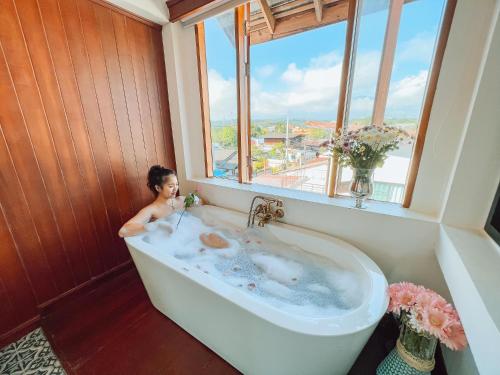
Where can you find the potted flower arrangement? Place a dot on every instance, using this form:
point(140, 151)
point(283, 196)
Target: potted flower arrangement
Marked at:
point(364, 150)
point(425, 319)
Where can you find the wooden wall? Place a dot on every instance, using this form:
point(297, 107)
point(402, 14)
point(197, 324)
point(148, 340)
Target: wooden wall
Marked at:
point(83, 114)
point(181, 8)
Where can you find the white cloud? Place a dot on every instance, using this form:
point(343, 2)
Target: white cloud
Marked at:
point(309, 90)
point(222, 96)
point(312, 91)
point(361, 107)
point(405, 96)
point(292, 74)
point(326, 60)
point(265, 71)
point(417, 49)
point(366, 73)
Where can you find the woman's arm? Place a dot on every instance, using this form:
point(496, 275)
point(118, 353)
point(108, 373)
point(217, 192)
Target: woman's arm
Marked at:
point(138, 224)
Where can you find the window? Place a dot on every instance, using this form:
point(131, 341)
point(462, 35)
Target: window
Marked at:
point(278, 77)
point(414, 27)
point(294, 99)
point(222, 94)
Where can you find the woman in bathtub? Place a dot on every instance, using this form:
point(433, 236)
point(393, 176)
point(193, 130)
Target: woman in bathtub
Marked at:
point(164, 185)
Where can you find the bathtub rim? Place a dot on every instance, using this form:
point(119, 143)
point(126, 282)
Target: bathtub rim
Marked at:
point(374, 305)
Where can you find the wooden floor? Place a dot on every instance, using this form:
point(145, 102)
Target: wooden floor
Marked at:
point(114, 329)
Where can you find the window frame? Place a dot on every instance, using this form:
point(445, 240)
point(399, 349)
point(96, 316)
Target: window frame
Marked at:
point(242, 38)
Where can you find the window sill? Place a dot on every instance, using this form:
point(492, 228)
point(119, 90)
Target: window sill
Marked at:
point(373, 207)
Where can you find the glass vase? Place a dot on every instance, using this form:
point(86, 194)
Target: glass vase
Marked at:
point(361, 186)
point(413, 354)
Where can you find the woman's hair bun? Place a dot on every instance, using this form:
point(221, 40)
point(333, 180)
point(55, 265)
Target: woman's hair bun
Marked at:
point(156, 177)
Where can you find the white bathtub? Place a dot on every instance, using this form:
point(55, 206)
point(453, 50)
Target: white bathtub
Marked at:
point(250, 334)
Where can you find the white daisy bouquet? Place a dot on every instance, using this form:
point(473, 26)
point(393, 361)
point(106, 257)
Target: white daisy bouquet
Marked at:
point(367, 147)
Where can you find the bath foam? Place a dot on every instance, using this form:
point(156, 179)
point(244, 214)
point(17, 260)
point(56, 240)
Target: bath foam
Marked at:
point(258, 264)
point(319, 288)
point(347, 286)
point(239, 282)
point(276, 288)
point(277, 268)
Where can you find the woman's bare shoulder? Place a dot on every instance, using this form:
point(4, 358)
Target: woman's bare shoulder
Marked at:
point(150, 209)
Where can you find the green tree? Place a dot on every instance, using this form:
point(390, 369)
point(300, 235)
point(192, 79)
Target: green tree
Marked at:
point(277, 151)
point(280, 128)
point(226, 136)
point(258, 131)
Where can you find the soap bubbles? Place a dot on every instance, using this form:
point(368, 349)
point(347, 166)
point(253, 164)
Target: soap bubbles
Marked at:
point(260, 265)
point(278, 268)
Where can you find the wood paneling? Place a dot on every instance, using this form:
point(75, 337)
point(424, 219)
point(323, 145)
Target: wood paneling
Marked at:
point(299, 22)
point(201, 53)
point(387, 61)
point(83, 114)
point(345, 85)
point(182, 8)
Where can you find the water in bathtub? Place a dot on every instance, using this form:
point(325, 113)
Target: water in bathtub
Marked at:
point(258, 263)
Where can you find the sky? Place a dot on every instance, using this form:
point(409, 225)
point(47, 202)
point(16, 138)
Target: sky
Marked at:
point(299, 76)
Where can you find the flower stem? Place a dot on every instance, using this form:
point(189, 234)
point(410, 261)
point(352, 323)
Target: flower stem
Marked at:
point(182, 214)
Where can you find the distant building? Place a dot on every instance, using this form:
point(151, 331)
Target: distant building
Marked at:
point(226, 162)
point(276, 138)
point(256, 141)
point(321, 124)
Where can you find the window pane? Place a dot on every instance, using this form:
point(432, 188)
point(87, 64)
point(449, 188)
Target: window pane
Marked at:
point(417, 37)
point(371, 24)
point(372, 21)
point(221, 69)
point(418, 31)
point(294, 98)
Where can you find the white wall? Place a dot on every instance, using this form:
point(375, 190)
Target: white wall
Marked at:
point(453, 101)
point(477, 171)
point(470, 260)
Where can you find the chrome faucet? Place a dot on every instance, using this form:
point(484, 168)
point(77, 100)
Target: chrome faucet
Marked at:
point(271, 209)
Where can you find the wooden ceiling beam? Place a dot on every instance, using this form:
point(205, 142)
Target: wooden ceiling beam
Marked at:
point(318, 8)
point(268, 15)
point(387, 61)
point(287, 9)
point(297, 23)
point(178, 9)
point(294, 7)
